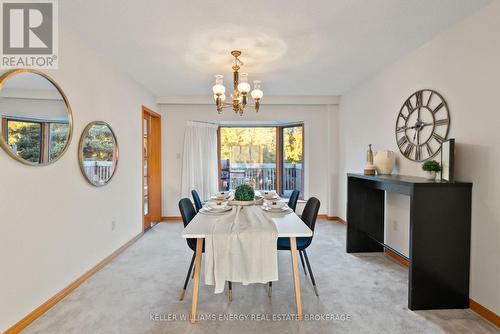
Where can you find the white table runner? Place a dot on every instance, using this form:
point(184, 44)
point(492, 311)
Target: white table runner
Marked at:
point(241, 248)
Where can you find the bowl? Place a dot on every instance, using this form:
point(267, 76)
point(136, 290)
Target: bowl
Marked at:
point(217, 204)
point(221, 194)
point(268, 194)
point(275, 204)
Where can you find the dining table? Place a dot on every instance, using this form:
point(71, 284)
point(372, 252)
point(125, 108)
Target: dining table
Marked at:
point(288, 225)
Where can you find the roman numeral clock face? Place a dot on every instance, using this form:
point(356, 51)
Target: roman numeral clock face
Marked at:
point(422, 125)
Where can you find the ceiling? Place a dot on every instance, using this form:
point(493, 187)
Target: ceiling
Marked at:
point(295, 47)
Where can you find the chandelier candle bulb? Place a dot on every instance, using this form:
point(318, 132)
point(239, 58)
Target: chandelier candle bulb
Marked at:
point(241, 88)
point(244, 86)
point(219, 88)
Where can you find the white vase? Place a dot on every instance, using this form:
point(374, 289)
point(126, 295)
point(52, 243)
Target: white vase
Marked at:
point(430, 175)
point(384, 162)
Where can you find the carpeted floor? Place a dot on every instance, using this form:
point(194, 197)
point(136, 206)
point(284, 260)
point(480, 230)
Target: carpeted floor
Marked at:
point(138, 293)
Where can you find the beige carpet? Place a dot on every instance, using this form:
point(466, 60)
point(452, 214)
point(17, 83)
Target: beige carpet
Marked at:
point(358, 294)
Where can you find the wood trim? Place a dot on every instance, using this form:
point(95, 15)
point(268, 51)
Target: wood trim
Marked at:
point(151, 112)
point(484, 312)
point(279, 162)
point(397, 257)
point(154, 168)
point(171, 218)
point(219, 162)
point(39, 311)
point(333, 218)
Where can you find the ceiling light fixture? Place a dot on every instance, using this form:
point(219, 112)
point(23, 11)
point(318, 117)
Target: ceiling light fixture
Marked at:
point(241, 88)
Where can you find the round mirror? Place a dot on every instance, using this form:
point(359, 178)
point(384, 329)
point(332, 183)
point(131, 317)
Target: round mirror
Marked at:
point(36, 117)
point(98, 153)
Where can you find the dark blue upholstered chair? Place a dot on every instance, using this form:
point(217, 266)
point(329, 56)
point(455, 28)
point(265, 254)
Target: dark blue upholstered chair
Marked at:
point(292, 201)
point(197, 201)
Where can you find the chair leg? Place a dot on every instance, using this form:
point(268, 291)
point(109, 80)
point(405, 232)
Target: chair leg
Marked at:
point(230, 291)
point(183, 292)
point(270, 289)
point(302, 260)
point(311, 273)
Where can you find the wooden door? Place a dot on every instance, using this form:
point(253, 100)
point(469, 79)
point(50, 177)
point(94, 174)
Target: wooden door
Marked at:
point(151, 167)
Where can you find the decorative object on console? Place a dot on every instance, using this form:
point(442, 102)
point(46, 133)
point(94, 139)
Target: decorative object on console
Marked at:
point(36, 122)
point(448, 160)
point(422, 125)
point(369, 167)
point(241, 88)
point(384, 162)
point(431, 167)
point(98, 153)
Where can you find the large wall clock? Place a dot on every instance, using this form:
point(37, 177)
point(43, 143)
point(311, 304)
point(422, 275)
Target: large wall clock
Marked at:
point(422, 125)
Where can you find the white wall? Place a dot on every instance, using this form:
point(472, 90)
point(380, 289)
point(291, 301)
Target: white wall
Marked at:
point(463, 64)
point(54, 226)
point(318, 123)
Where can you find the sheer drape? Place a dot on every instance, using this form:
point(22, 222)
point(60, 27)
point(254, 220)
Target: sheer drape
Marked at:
point(199, 161)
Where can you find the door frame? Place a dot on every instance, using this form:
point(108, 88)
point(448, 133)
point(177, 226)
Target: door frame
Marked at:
point(148, 112)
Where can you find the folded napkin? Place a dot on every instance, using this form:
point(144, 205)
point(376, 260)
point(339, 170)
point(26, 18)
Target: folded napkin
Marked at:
point(241, 248)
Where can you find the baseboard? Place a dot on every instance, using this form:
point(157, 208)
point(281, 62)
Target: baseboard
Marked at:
point(332, 218)
point(39, 311)
point(485, 313)
point(170, 218)
point(397, 257)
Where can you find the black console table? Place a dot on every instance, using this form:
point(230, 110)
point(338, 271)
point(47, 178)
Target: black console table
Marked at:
point(440, 224)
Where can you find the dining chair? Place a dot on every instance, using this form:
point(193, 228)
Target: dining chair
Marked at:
point(187, 213)
point(292, 201)
point(309, 216)
point(197, 201)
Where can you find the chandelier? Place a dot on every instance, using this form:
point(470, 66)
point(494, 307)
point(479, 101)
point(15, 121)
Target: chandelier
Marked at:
point(241, 88)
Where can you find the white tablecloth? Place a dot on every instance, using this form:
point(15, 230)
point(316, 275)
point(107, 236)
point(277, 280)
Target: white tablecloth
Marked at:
point(241, 248)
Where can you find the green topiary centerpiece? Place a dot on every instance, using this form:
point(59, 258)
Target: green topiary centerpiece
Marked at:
point(244, 193)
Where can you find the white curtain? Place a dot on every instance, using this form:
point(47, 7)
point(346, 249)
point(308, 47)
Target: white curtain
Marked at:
point(199, 161)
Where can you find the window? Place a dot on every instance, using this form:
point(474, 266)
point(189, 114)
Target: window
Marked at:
point(25, 139)
point(292, 158)
point(269, 157)
point(58, 137)
point(36, 141)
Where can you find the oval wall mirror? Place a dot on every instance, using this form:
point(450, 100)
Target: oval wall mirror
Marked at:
point(98, 153)
point(36, 120)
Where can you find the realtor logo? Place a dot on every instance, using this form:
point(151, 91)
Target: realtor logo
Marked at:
point(29, 34)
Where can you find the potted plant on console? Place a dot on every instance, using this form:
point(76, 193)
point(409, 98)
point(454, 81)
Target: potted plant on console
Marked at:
point(431, 167)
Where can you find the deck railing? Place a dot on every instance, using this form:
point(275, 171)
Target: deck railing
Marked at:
point(98, 171)
point(264, 176)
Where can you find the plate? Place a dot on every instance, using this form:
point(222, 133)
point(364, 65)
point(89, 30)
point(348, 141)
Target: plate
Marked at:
point(271, 197)
point(241, 203)
point(211, 210)
point(282, 209)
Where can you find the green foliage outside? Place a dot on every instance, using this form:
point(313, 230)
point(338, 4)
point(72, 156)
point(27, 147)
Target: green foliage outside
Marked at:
point(292, 144)
point(258, 144)
point(58, 138)
point(99, 144)
point(244, 193)
point(24, 138)
point(248, 145)
point(431, 166)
